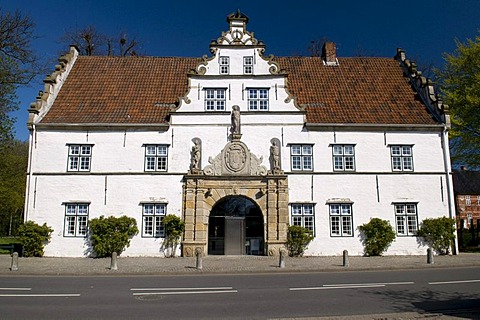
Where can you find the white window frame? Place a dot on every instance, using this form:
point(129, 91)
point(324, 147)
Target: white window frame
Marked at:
point(156, 157)
point(301, 157)
point(152, 220)
point(76, 220)
point(303, 214)
point(215, 99)
point(224, 65)
point(343, 156)
point(341, 219)
point(468, 200)
point(79, 157)
point(248, 65)
point(406, 219)
point(402, 157)
point(257, 99)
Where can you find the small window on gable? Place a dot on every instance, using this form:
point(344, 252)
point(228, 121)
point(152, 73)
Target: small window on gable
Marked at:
point(224, 65)
point(247, 65)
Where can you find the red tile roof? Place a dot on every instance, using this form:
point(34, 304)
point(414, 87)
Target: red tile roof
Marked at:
point(129, 90)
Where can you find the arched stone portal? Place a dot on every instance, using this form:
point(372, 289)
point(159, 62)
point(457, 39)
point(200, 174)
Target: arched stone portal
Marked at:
point(236, 227)
point(201, 193)
point(234, 172)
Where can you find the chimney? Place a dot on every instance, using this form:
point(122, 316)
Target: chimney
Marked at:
point(329, 54)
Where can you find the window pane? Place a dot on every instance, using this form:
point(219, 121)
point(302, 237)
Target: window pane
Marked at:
point(75, 150)
point(308, 209)
point(70, 225)
point(82, 226)
point(296, 150)
point(347, 226)
point(396, 151)
point(337, 150)
point(349, 150)
point(307, 150)
point(296, 209)
point(400, 225)
point(335, 225)
point(151, 150)
point(307, 163)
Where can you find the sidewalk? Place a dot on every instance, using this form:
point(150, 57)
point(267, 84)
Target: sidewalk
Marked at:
point(226, 264)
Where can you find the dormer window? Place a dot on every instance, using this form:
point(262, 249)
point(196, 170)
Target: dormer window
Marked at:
point(247, 65)
point(224, 65)
point(257, 99)
point(215, 99)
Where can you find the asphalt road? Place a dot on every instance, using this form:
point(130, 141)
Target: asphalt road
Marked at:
point(248, 296)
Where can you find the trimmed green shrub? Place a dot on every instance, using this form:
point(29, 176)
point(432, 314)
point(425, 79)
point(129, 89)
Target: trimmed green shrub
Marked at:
point(33, 237)
point(112, 234)
point(378, 235)
point(298, 239)
point(174, 227)
point(438, 233)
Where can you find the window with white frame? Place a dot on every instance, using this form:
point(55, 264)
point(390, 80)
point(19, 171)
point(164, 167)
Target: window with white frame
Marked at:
point(303, 214)
point(156, 156)
point(468, 201)
point(152, 220)
point(341, 220)
point(224, 65)
point(301, 157)
point(76, 220)
point(402, 158)
point(215, 99)
point(247, 65)
point(343, 157)
point(406, 219)
point(79, 157)
point(257, 99)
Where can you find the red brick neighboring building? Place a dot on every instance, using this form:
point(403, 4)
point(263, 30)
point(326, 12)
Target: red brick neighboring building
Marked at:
point(466, 185)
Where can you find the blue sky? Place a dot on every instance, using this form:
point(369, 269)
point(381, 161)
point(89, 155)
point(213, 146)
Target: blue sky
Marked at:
point(425, 29)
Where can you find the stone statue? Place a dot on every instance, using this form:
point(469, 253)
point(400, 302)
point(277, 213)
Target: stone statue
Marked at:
point(196, 154)
point(235, 120)
point(275, 154)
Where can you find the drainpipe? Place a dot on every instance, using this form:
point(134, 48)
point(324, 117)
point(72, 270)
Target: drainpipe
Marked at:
point(31, 143)
point(448, 177)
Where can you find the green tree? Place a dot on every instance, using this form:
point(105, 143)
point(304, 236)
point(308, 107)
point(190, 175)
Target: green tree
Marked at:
point(460, 87)
point(13, 167)
point(438, 233)
point(18, 65)
point(378, 235)
point(174, 227)
point(33, 237)
point(112, 234)
point(298, 239)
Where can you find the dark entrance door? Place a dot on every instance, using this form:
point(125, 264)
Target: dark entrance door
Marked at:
point(235, 227)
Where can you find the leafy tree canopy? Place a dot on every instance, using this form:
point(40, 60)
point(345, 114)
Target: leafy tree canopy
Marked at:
point(460, 86)
point(18, 65)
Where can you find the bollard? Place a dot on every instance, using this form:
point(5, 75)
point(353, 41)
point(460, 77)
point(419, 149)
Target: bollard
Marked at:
point(429, 256)
point(281, 263)
point(346, 263)
point(14, 266)
point(113, 262)
point(199, 263)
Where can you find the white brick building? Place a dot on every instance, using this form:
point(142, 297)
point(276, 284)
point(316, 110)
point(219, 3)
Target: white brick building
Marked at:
point(324, 142)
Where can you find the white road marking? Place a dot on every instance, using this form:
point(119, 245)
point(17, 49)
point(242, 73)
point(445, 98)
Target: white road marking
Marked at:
point(42, 295)
point(16, 289)
point(351, 286)
point(454, 282)
point(179, 289)
point(183, 292)
point(338, 287)
point(367, 284)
